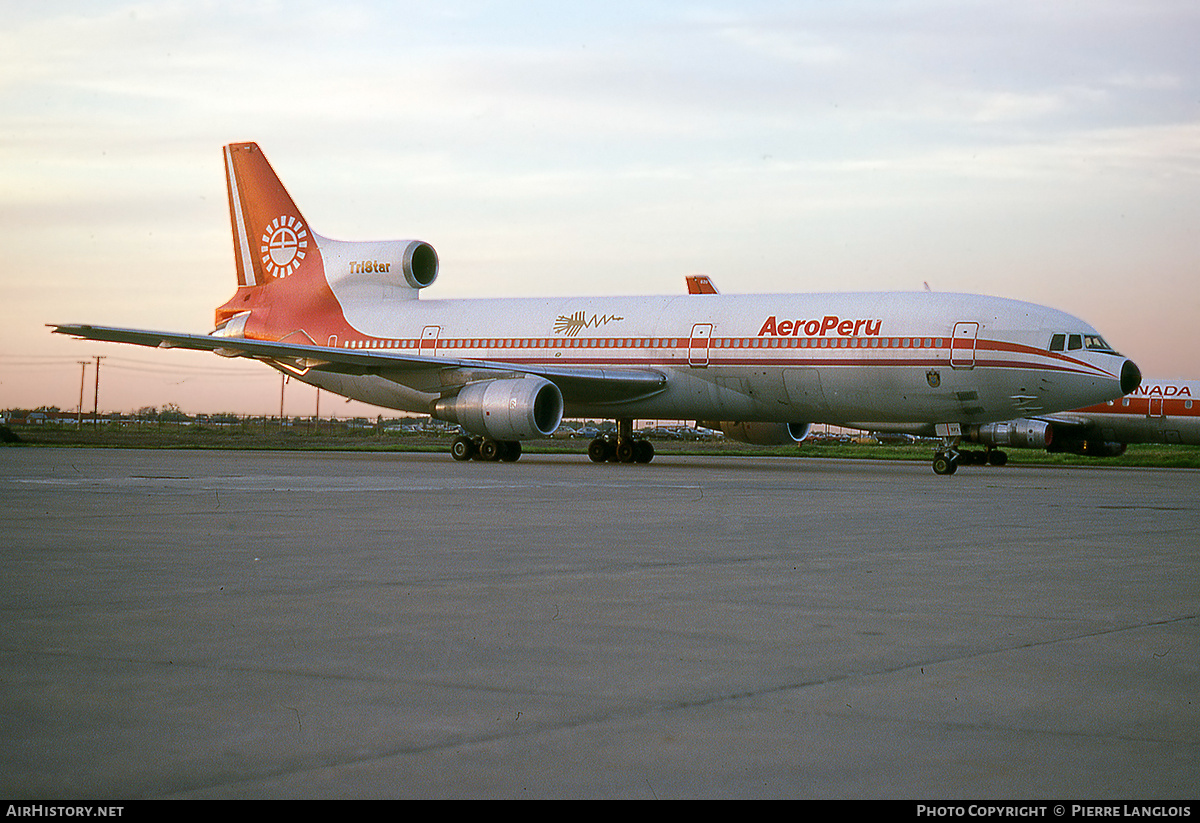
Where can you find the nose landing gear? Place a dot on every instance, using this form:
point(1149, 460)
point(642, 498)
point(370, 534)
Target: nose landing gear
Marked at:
point(945, 461)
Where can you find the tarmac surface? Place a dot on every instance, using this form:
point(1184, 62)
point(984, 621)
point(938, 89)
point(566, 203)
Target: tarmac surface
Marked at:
point(192, 624)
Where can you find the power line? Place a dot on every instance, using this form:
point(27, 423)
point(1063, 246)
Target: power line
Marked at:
point(230, 370)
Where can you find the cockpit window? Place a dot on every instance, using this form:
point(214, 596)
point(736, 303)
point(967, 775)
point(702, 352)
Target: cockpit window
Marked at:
point(1074, 342)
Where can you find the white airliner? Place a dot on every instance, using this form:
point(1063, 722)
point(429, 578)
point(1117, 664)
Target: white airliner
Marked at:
point(1158, 411)
point(345, 316)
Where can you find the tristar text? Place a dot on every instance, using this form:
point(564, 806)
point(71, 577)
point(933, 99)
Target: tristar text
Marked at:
point(817, 328)
point(368, 266)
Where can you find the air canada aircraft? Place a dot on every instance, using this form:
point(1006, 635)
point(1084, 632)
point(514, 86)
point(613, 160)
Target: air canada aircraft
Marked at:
point(346, 317)
point(1158, 411)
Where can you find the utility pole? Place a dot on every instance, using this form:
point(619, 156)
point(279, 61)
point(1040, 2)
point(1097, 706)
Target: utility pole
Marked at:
point(82, 376)
point(282, 383)
point(96, 400)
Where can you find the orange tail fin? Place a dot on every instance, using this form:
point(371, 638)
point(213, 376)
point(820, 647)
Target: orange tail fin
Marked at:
point(270, 237)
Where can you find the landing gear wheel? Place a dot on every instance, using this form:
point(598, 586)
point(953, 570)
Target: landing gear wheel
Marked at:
point(463, 448)
point(997, 458)
point(643, 451)
point(489, 449)
point(944, 463)
point(598, 450)
point(626, 449)
point(510, 451)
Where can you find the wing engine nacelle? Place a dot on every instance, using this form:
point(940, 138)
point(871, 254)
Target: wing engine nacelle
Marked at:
point(1017, 434)
point(505, 409)
point(760, 434)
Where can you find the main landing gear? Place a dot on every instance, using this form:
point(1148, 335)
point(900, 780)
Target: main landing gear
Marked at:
point(949, 458)
point(485, 448)
point(621, 449)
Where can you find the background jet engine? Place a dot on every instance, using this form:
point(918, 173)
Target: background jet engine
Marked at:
point(1039, 434)
point(509, 409)
point(1091, 448)
point(761, 434)
point(1018, 434)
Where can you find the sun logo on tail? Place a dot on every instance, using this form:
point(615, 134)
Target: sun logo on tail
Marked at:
point(283, 246)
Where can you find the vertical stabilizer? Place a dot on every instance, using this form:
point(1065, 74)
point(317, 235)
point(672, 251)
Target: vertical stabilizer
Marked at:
point(270, 237)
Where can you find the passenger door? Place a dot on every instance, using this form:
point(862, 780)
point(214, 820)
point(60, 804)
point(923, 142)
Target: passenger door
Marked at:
point(698, 345)
point(962, 345)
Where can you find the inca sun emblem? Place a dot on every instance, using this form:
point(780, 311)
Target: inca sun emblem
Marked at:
point(284, 244)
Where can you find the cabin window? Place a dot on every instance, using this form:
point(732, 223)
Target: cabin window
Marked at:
point(1074, 342)
point(1058, 342)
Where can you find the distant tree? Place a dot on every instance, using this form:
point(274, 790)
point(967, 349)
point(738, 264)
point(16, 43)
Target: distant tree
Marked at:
point(171, 413)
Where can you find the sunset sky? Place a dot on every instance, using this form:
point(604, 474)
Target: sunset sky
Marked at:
point(1045, 151)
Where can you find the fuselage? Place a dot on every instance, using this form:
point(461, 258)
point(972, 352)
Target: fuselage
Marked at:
point(886, 361)
point(1158, 411)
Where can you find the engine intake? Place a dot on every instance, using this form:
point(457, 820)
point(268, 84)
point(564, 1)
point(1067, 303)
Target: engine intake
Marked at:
point(505, 409)
point(420, 264)
point(760, 434)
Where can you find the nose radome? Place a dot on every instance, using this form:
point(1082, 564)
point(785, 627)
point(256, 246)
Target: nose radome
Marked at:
point(1131, 377)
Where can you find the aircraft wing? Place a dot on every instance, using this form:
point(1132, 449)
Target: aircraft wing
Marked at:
point(435, 374)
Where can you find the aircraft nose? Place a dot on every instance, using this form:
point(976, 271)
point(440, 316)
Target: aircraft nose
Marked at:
point(1131, 377)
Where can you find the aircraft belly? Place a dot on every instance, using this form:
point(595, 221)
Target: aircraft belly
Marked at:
point(694, 394)
point(377, 391)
